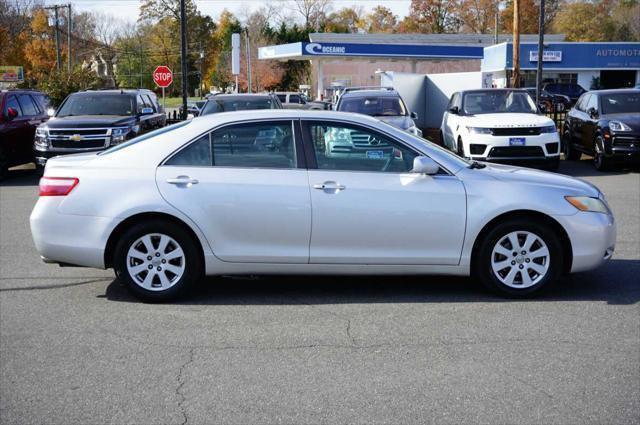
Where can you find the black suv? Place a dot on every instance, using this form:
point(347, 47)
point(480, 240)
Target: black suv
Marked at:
point(93, 120)
point(571, 90)
point(605, 124)
point(21, 112)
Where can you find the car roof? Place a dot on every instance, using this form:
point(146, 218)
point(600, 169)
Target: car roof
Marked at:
point(613, 91)
point(491, 90)
point(229, 95)
point(370, 93)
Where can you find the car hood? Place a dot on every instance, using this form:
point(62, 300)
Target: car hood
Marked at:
point(529, 176)
point(507, 120)
point(632, 120)
point(89, 121)
point(402, 121)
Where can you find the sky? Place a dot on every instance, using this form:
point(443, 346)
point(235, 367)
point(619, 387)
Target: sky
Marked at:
point(128, 9)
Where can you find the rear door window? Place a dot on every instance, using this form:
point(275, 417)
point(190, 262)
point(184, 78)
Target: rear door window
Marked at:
point(29, 109)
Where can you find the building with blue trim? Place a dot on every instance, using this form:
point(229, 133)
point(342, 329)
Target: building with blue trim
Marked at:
point(592, 65)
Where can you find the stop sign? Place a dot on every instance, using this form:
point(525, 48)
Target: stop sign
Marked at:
point(163, 76)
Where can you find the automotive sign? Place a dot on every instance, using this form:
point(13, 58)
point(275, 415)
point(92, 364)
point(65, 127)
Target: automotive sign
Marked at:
point(547, 56)
point(11, 74)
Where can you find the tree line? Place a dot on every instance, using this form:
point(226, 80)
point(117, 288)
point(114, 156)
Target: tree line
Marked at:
point(109, 52)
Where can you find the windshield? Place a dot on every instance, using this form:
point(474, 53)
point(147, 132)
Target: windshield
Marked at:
point(373, 106)
point(620, 103)
point(97, 104)
point(237, 104)
point(493, 102)
point(145, 136)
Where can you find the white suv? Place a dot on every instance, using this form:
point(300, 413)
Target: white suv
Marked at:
point(500, 125)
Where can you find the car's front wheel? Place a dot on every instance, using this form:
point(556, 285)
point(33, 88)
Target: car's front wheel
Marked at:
point(518, 257)
point(600, 161)
point(157, 260)
point(4, 164)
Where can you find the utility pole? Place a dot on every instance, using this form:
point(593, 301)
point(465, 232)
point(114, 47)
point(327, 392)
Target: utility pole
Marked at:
point(248, 62)
point(515, 81)
point(183, 58)
point(69, 38)
point(57, 26)
point(495, 27)
point(201, 60)
point(540, 52)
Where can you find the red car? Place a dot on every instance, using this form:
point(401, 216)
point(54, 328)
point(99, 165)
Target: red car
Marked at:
point(21, 112)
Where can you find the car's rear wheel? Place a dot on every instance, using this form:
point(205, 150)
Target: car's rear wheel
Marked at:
point(518, 257)
point(157, 260)
point(569, 152)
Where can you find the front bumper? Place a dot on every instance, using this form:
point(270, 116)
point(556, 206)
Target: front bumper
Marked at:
point(623, 147)
point(486, 147)
point(592, 236)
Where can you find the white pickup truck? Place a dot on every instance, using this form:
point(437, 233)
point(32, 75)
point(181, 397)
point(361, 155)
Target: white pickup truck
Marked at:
point(500, 125)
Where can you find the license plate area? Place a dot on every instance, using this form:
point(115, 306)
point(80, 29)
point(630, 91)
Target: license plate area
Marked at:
point(517, 141)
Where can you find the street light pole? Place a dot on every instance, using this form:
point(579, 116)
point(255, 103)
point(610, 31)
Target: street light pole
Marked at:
point(69, 38)
point(55, 8)
point(516, 44)
point(183, 59)
point(540, 52)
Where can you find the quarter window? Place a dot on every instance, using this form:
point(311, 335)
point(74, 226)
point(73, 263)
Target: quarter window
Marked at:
point(351, 148)
point(12, 102)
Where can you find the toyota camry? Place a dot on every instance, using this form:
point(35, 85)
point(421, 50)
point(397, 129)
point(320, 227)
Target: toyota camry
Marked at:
point(263, 192)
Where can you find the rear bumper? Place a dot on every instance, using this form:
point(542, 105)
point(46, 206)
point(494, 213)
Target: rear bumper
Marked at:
point(592, 237)
point(69, 239)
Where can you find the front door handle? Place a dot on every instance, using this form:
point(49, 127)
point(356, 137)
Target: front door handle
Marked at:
point(183, 181)
point(329, 186)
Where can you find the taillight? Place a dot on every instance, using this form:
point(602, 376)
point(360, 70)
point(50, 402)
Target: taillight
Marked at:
point(57, 186)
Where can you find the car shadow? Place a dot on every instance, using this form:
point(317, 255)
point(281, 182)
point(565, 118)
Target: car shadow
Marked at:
point(585, 168)
point(22, 176)
point(614, 283)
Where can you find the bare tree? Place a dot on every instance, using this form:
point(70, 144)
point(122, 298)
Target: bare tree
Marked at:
point(107, 28)
point(313, 12)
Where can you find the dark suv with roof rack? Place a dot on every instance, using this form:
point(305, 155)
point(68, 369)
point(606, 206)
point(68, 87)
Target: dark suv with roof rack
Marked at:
point(21, 111)
point(94, 120)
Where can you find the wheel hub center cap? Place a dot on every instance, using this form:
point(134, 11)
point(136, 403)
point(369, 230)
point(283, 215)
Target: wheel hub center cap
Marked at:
point(520, 259)
point(156, 262)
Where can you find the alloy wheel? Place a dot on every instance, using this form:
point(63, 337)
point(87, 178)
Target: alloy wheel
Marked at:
point(520, 259)
point(155, 262)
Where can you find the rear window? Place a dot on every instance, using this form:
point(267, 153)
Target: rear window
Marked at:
point(373, 106)
point(216, 105)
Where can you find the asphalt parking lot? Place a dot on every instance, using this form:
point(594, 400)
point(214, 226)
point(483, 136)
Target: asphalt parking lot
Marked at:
point(76, 348)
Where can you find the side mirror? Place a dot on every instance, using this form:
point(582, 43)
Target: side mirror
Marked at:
point(593, 113)
point(190, 116)
point(146, 111)
point(414, 115)
point(11, 113)
point(454, 110)
point(51, 112)
point(425, 165)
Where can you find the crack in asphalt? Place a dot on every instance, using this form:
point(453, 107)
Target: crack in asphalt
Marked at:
point(53, 286)
point(181, 382)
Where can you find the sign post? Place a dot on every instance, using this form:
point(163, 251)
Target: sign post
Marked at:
point(235, 56)
point(163, 77)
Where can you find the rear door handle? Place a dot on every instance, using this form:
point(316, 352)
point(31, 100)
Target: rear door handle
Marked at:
point(183, 181)
point(329, 186)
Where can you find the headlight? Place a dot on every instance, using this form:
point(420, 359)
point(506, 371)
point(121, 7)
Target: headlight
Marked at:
point(42, 137)
point(119, 135)
point(586, 203)
point(479, 130)
point(548, 129)
point(618, 126)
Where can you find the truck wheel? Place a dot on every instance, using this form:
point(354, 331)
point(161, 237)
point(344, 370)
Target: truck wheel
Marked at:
point(157, 260)
point(518, 257)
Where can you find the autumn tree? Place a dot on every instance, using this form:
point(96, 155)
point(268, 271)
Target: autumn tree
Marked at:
point(432, 16)
point(347, 19)
point(603, 20)
point(40, 51)
point(380, 20)
point(529, 15)
point(478, 16)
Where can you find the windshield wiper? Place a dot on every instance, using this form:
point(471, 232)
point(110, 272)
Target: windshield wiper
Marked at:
point(476, 164)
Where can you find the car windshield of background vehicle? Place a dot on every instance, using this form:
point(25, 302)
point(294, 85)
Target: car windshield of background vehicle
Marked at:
point(620, 103)
point(145, 137)
point(97, 104)
point(374, 106)
point(496, 102)
point(227, 105)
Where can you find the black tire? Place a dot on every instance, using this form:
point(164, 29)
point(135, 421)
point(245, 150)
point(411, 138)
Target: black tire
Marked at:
point(570, 153)
point(482, 263)
point(4, 164)
point(193, 263)
point(552, 164)
point(600, 161)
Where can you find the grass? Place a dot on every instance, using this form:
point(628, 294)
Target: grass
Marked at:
point(174, 102)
